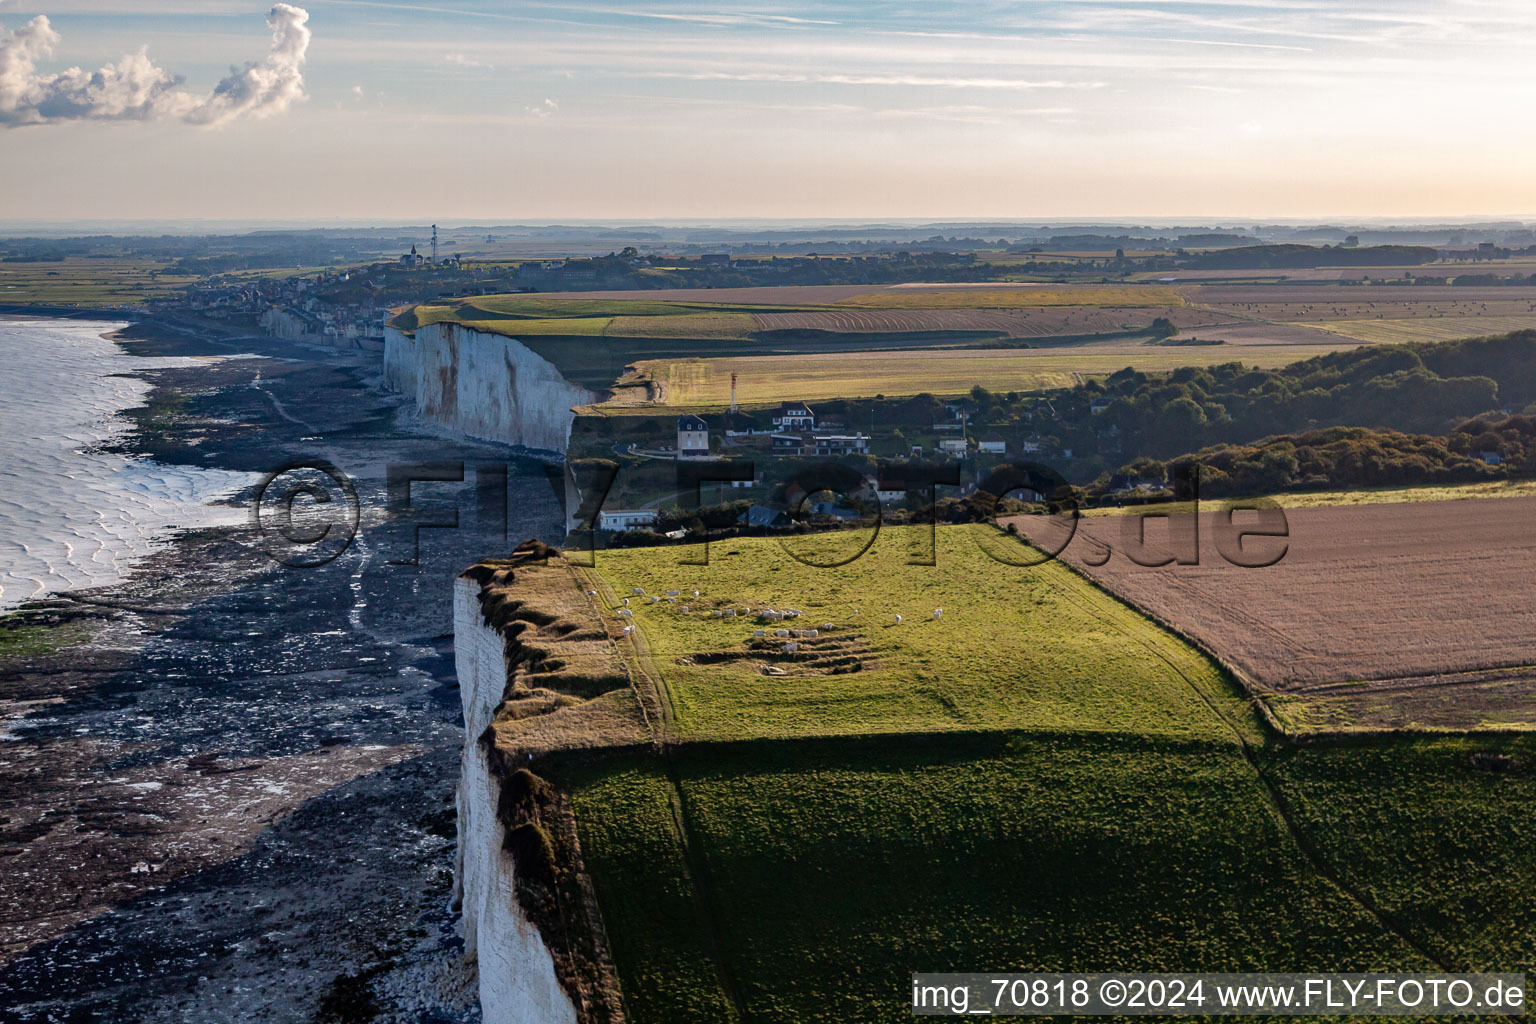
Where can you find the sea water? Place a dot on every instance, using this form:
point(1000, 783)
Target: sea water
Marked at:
point(73, 515)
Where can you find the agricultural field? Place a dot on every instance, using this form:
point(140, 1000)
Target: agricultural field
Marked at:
point(1016, 297)
point(1381, 616)
point(706, 383)
point(1392, 332)
point(1306, 304)
point(1042, 321)
point(1041, 780)
point(87, 281)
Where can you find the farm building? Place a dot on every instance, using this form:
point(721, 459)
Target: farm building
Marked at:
point(692, 437)
point(992, 444)
point(794, 416)
point(625, 519)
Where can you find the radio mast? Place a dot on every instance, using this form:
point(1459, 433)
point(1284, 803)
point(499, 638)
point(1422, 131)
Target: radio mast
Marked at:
point(434, 243)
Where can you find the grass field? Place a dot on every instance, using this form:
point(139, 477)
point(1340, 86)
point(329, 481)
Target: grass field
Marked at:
point(1043, 780)
point(1425, 329)
point(817, 879)
point(1022, 648)
point(87, 281)
point(705, 383)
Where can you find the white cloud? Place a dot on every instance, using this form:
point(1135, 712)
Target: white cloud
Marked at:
point(136, 89)
point(544, 108)
point(462, 61)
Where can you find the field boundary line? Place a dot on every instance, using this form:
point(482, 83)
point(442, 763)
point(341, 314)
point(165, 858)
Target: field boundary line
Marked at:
point(1274, 797)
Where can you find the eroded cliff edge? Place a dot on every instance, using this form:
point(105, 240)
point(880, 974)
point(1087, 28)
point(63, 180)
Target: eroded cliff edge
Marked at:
point(483, 385)
point(541, 681)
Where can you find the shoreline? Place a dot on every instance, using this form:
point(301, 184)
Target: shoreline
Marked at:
point(232, 747)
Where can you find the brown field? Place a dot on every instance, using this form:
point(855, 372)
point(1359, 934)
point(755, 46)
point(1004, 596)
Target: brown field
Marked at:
point(1391, 616)
point(1014, 323)
point(1014, 297)
point(1324, 303)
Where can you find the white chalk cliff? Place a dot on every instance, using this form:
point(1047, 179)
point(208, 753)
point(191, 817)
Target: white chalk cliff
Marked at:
point(484, 385)
point(517, 973)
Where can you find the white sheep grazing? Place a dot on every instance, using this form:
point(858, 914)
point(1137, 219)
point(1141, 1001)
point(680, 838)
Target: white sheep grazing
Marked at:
point(637, 591)
point(695, 593)
point(730, 613)
point(650, 600)
point(591, 593)
point(898, 620)
point(827, 625)
point(759, 632)
point(781, 632)
point(674, 593)
point(791, 648)
point(686, 608)
point(625, 613)
point(628, 630)
point(938, 613)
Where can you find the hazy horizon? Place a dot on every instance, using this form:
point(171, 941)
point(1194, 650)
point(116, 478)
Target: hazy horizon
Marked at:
point(1031, 110)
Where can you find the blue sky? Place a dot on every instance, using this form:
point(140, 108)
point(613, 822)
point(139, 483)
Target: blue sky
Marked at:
point(1042, 110)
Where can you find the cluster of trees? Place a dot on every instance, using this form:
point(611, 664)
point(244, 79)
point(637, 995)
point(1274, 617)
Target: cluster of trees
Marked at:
point(1344, 458)
point(1414, 388)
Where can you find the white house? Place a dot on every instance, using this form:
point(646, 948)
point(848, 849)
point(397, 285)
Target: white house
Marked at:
point(952, 445)
point(625, 518)
point(794, 416)
point(992, 444)
point(692, 437)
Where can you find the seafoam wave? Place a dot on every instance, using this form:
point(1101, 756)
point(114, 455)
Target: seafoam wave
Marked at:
point(71, 514)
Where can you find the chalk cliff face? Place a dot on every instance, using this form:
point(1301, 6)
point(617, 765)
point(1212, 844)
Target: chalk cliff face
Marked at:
point(484, 385)
point(518, 984)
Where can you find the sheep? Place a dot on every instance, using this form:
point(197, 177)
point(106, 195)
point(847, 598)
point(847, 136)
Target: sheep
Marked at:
point(716, 614)
point(674, 593)
point(759, 632)
point(827, 625)
point(781, 632)
point(651, 600)
point(938, 613)
point(591, 593)
point(730, 613)
point(671, 600)
point(685, 609)
point(638, 591)
point(695, 594)
point(625, 613)
point(628, 630)
point(898, 620)
point(791, 648)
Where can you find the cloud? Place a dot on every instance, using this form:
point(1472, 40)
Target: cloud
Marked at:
point(136, 89)
point(545, 108)
point(462, 61)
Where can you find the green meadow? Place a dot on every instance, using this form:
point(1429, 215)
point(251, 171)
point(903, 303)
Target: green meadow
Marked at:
point(1041, 780)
